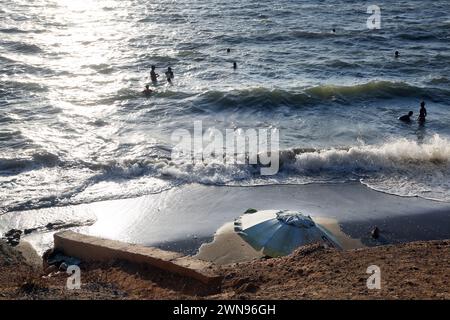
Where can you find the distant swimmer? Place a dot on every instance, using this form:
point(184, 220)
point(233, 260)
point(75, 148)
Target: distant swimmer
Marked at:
point(153, 75)
point(147, 91)
point(169, 75)
point(406, 117)
point(422, 112)
point(234, 65)
point(397, 54)
point(334, 30)
point(228, 50)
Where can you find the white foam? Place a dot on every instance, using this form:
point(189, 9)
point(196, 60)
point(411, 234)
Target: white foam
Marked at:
point(403, 167)
point(389, 156)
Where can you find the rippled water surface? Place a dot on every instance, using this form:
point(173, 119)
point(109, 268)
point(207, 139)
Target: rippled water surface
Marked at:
point(74, 126)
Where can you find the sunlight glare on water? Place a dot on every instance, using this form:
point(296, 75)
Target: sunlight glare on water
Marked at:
point(75, 127)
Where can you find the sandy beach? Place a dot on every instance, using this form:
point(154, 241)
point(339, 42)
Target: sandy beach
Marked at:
point(408, 271)
point(197, 220)
point(184, 218)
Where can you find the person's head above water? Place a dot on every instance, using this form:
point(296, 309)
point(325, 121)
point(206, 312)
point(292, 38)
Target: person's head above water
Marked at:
point(169, 69)
point(422, 104)
point(228, 50)
point(234, 65)
point(147, 86)
point(334, 30)
point(153, 67)
point(410, 113)
point(397, 54)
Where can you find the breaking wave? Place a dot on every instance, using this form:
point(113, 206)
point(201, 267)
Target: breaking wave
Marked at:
point(403, 167)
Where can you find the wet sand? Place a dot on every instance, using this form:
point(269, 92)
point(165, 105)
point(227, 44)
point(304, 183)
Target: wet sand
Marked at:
point(184, 218)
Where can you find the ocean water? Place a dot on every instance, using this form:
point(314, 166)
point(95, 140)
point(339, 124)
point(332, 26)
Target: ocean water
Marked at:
point(75, 127)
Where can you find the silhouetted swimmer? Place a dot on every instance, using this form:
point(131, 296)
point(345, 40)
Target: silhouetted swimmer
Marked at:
point(334, 30)
point(153, 75)
point(397, 54)
point(169, 75)
point(422, 113)
point(228, 50)
point(406, 117)
point(234, 65)
point(147, 91)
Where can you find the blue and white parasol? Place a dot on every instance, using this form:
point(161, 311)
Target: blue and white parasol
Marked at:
point(278, 233)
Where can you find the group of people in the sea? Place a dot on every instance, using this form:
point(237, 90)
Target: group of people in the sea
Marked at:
point(422, 114)
point(169, 77)
point(422, 111)
point(154, 78)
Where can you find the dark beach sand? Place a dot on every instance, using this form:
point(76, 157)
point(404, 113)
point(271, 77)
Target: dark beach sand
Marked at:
point(182, 219)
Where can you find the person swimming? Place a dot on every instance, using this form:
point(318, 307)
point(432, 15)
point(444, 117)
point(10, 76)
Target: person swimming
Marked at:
point(228, 50)
point(147, 91)
point(153, 75)
point(422, 112)
point(234, 65)
point(397, 54)
point(169, 75)
point(406, 117)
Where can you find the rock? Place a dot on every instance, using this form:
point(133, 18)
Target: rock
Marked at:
point(52, 257)
point(13, 233)
point(250, 210)
point(28, 231)
point(13, 242)
point(375, 233)
point(50, 269)
point(45, 258)
point(12, 237)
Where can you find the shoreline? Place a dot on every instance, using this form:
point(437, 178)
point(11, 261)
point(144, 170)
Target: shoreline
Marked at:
point(127, 198)
point(184, 218)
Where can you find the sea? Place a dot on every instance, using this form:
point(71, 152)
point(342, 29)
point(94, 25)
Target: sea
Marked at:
point(76, 128)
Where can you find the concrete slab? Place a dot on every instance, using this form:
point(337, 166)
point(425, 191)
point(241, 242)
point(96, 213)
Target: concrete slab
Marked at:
point(94, 249)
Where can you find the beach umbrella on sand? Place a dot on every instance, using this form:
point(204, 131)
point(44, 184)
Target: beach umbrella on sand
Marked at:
point(278, 233)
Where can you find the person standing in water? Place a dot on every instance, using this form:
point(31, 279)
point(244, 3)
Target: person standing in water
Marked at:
point(169, 75)
point(234, 65)
point(153, 75)
point(422, 112)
